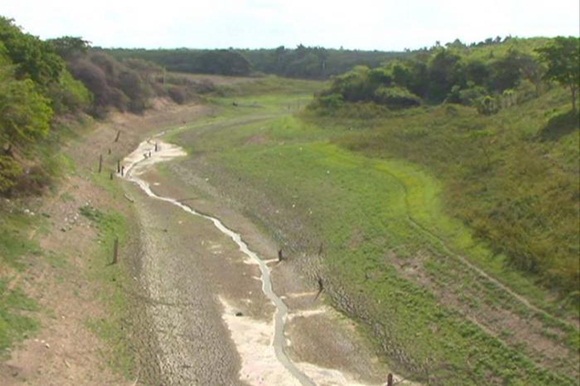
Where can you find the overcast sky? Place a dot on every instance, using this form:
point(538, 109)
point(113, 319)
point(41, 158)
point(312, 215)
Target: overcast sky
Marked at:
point(354, 24)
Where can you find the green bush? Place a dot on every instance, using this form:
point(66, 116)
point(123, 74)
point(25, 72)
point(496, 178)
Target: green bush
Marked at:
point(396, 97)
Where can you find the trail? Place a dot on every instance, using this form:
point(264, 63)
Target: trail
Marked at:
point(427, 232)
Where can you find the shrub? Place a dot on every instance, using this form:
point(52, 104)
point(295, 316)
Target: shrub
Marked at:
point(396, 98)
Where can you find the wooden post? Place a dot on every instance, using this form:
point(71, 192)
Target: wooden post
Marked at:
point(390, 381)
point(123, 170)
point(100, 163)
point(320, 288)
point(116, 250)
point(280, 255)
point(118, 166)
point(156, 147)
point(118, 135)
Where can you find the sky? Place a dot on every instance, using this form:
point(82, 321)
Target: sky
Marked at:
point(387, 25)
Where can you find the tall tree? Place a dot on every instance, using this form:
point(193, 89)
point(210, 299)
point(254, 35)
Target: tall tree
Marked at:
point(562, 56)
point(70, 47)
point(444, 73)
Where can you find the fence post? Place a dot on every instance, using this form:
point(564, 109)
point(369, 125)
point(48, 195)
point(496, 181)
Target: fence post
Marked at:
point(116, 250)
point(118, 135)
point(100, 163)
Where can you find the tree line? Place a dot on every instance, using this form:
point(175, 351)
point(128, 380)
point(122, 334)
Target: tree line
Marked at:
point(487, 76)
point(300, 62)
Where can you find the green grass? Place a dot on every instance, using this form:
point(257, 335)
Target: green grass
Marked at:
point(112, 225)
point(14, 242)
point(332, 183)
point(16, 322)
point(114, 279)
point(515, 186)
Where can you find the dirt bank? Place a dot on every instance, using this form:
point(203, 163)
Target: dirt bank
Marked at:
point(66, 350)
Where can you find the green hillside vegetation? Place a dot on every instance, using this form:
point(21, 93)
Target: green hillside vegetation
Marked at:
point(50, 91)
point(376, 222)
point(46, 87)
point(434, 193)
point(504, 142)
point(488, 78)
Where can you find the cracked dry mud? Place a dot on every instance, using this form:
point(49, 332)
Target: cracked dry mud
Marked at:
point(210, 319)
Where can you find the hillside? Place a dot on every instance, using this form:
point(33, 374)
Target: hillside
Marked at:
point(503, 140)
point(432, 199)
point(370, 209)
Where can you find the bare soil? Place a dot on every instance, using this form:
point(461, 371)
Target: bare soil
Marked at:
point(66, 351)
point(322, 343)
point(194, 295)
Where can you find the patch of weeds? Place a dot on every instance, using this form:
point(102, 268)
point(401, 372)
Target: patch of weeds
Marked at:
point(55, 260)
point(15, 323)
point(14, 242)
point(67, 197)
point(112, 329)
point(91, 213)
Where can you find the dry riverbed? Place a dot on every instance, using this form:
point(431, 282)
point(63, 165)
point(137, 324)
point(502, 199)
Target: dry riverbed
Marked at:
point(200, 313)
point(212, 320)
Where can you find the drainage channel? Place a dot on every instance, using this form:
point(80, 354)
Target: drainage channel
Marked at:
point(148, 154)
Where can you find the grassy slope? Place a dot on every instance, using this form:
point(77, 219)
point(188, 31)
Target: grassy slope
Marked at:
point(20, 252)
point(391, 254)
point(15, 320)
point(112, 278)
point(512, 177)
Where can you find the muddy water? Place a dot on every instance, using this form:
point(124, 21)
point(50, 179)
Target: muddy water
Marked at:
point(263, 346)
